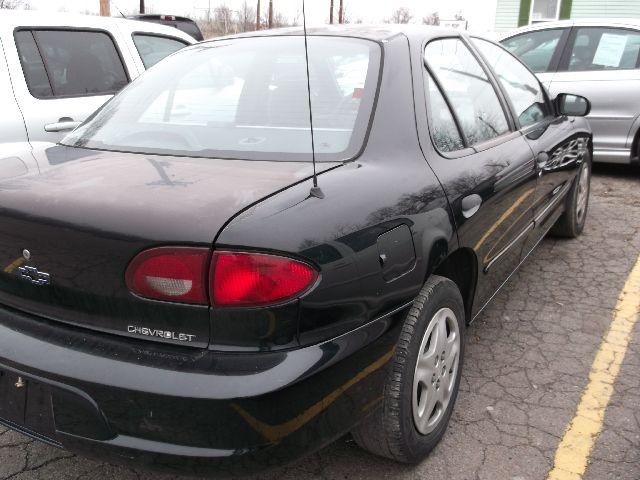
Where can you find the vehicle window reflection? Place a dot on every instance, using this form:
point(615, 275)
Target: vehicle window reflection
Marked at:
point(536, 49)
point(521, 86)
point(605, 49)
point(468, 88)
point(443, 127)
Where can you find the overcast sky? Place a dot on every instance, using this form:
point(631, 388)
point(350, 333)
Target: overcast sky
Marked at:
point(480, 13)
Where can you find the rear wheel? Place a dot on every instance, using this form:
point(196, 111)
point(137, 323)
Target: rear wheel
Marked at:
point(572, 221)
point(424, 378)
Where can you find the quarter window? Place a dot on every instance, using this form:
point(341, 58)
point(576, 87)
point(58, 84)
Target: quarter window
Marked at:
point(521, 86)
point(605, 49)
point(536, 49)
point(66, 63)
point(153, 48)
point(468, 89)
point(34, 71)
point(444, 131)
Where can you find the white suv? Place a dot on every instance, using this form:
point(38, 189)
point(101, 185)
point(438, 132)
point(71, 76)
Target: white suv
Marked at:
point(57, 69)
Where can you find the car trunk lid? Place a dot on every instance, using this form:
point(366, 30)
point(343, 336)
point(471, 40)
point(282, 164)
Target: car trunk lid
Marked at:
point(71, 224)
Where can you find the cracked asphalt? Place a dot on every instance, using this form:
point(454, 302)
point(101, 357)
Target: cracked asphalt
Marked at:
point(528, 362)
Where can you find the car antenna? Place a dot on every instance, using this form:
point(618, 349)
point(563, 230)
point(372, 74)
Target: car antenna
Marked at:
point(119, 11)
point(315, 190)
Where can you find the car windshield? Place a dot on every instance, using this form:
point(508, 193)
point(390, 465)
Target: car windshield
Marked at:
point(245, 98)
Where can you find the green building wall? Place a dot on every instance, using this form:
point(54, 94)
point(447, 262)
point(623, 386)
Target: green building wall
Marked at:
point(511, 14)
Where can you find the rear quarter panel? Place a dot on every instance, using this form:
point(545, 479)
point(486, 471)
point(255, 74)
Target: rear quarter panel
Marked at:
point(389, 186)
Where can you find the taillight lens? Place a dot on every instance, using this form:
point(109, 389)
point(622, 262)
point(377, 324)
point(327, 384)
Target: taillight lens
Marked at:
point(176, 274)
point(256, 279)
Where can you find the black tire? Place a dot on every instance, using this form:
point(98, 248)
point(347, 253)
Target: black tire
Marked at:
point(570, 224)
point(390, 431)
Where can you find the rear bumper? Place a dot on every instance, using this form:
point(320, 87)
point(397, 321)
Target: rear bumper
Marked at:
point(193, 411)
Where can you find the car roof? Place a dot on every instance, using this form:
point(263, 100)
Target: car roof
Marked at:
point(584, 22)
point(32, 18)
point(158, 16)
point(375, 32)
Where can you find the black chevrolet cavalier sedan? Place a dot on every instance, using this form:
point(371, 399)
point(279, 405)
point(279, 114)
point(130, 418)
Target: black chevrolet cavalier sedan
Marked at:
point(177, 293)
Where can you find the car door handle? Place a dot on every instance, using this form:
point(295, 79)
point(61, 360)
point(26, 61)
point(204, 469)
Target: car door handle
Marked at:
point(63, 124)
point(471, 204)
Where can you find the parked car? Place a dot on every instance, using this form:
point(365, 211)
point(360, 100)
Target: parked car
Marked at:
point(596, 58)
point(57, 69)
point(180, 290)
point(181, 23)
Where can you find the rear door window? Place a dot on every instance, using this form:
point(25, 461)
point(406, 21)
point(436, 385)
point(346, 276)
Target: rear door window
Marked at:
point(535, 49)
point(604, 49)
point(469, 90)
point(153, 48)
point(75, 63)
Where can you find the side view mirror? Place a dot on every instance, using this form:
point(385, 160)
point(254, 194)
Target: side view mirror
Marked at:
point(572, 105)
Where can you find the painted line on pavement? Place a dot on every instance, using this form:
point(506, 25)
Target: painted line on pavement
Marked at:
point(572, 455)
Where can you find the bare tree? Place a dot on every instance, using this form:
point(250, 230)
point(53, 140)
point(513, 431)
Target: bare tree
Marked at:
point(246, 18)
point(14, 4)
point(433, 19)
point(280, 20)
point(401, 15)
point(347, 19)
point(223, 22)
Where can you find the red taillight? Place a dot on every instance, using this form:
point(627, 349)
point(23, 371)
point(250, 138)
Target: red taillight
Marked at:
point(256, 279)
point(175, 274)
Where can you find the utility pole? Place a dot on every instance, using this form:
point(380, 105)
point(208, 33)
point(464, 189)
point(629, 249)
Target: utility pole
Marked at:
point(341, 12)
point(141, 7)
point(258, 16)
point(331, 13)
point(270, 13)
point(105, 11)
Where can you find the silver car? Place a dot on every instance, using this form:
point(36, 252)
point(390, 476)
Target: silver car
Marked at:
point(599, 59)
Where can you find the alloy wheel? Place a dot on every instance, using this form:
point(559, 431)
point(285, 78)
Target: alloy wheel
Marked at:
point(436, 370)
point(583, 193)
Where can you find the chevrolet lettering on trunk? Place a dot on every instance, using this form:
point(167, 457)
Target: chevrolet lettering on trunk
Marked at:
point(152, 332)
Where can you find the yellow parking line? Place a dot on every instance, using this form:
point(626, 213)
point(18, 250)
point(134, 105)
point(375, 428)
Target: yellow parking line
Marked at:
point(575, 447)
point(507, 214)
point(275, 433)
point(13, 265)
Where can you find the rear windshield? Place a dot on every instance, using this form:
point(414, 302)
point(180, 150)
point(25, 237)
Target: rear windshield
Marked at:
point(245, 98)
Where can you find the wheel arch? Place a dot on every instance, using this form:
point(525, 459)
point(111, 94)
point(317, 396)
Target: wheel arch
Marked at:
point(635, 146)
point(461, 267)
